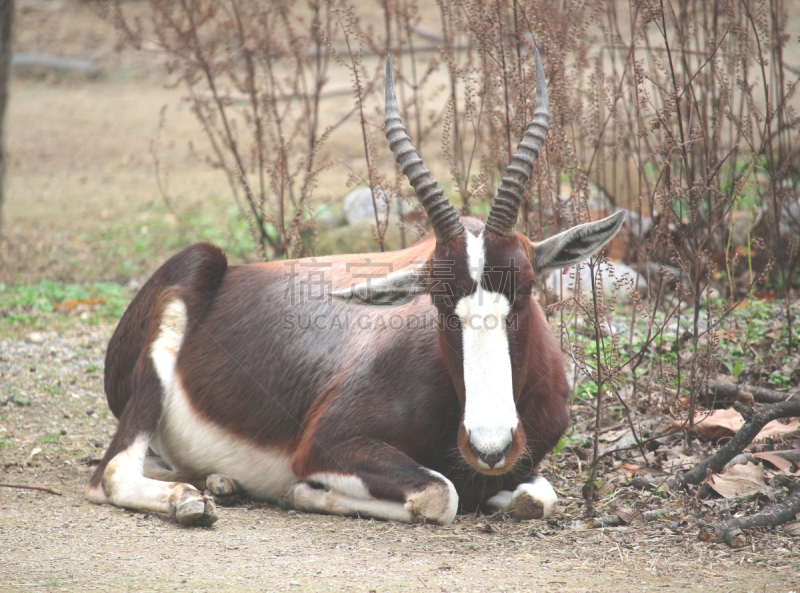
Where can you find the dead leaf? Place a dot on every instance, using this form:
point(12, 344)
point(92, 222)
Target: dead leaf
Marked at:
point(792, 528)
point(614, 435)
point(681, 463)
point(730, 335)
point(739, 480)
point(653, 472)
point(720, 424)
point(680, 404)
point(625, 513)
point(776, 429)
point(779, 462)
point(765, 295)
point(629, 469)
point(71, 304)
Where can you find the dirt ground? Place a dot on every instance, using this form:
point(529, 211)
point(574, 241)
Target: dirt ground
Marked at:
point(57, 425)
point(79, 168)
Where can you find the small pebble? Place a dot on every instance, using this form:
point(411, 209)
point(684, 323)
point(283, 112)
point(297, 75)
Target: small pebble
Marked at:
point(35, 338)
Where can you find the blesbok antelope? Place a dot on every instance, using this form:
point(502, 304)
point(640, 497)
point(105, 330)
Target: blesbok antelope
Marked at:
point(227, 377)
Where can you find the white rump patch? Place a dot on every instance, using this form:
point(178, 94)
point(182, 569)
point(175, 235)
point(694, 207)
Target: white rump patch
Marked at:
point(166, 346)
point(192, 445)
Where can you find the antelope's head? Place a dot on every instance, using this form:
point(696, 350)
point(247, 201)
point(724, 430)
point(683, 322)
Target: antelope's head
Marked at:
point(479, 277)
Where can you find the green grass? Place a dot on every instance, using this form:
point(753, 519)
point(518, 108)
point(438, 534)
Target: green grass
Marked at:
point(131, 247)
point(35, 305)
point(744, 340)
point(570, 439)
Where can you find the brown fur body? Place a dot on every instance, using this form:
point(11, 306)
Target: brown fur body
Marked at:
point(267, 357)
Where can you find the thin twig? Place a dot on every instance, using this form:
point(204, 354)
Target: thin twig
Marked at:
point(32, 487)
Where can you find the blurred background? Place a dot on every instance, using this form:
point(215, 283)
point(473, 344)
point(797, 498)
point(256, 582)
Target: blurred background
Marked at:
point(136, 128)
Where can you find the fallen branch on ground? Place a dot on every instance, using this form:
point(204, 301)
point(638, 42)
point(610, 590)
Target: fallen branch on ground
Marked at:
point(755, 419)
point(33, 487)
point(762, 395)
point(617, 521)
point(730, 531)
point(742, 458)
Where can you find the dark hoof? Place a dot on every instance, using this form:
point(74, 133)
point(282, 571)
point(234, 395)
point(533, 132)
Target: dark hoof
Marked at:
point(210, 515)
point(194, 509)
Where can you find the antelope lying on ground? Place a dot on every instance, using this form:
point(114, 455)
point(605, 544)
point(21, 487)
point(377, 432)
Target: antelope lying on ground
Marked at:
point(228, 378)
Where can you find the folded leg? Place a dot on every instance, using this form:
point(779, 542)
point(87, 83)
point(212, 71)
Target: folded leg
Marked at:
point(369, 478)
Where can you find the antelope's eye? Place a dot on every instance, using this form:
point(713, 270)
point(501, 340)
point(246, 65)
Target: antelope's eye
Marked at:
point(524, 291)
point(440, 298)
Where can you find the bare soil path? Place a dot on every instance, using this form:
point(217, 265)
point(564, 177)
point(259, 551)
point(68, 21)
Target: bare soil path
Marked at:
point(54, 425)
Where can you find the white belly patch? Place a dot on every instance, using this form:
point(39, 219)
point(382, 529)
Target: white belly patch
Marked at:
point(197, 447)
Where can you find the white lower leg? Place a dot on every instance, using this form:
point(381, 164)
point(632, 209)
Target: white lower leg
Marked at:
point(125, 485)
point(530, 500)
point(348, 496)
point(330, 502)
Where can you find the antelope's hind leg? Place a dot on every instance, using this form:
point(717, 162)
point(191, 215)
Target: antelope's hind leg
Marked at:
point(123, 483)
point(120, 477)
point(369, 478)
point(222, 489)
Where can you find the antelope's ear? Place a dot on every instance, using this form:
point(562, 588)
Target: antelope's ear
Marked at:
point(397, 288)
point(574, 245)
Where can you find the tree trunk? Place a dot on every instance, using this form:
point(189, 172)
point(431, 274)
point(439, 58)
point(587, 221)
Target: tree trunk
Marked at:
point(6, 27)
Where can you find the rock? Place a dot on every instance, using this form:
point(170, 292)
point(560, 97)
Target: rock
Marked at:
point(328, 218)
point(40, 65)
point(358, 205)
point(563, 285)
point(35, 338)
point(789, 221)
point(742, 223)
point(39, 6)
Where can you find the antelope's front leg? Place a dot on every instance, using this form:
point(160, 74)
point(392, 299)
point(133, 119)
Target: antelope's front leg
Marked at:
point(530, 500)
point(365, 477)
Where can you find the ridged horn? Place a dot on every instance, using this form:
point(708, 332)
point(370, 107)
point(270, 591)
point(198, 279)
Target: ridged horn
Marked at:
point(503, 216)
point(444, 219)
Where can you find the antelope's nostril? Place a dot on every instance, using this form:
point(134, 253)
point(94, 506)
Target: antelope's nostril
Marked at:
point(492, 459)
point(493, 454)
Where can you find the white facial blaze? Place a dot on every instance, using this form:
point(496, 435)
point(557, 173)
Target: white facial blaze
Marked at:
point(490, 414)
